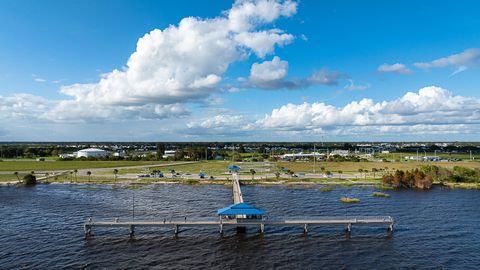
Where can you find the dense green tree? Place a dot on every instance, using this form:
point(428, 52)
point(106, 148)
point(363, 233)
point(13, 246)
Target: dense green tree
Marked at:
point(252, 172)
point(29, 179)
point(160, 150)
point(115, 173)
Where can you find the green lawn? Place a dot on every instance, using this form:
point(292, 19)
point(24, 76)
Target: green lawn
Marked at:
point(66, 165)
point(349, 167)
point(210, 168)
point(10, 177)
point(220, 167)
point(402, 155)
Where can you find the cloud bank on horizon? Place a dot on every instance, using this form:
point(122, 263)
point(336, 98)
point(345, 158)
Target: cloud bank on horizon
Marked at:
point(187, 64)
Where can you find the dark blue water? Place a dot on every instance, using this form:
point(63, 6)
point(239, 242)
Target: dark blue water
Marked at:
point(41, 228)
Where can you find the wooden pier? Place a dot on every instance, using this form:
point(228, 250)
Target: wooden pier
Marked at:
point(175, 225)
point(241, 220)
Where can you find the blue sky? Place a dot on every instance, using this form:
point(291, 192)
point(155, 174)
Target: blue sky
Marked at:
point(247, 70)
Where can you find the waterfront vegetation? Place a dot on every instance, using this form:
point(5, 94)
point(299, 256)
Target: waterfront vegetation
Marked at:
point(381, 195)
point(326, 189)
point(29, 180)
point(424, 177)
point(349, 200)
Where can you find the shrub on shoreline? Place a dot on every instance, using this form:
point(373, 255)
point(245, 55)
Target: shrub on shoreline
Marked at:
point(29, 179)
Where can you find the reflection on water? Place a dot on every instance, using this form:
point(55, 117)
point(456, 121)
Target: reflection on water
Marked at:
point(41, 227)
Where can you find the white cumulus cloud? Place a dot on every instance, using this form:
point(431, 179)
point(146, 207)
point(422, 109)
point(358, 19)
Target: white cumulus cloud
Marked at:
point(272, 75)
point(22, 106)
point(179, 64)
point(394, 68)
point(430, 106)
point(269, 73)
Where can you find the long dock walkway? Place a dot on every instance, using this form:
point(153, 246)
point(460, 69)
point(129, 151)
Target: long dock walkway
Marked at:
point(236, 191)
point(304, 222)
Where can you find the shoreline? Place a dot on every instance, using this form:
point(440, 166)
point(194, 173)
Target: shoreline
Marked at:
point(246, 183)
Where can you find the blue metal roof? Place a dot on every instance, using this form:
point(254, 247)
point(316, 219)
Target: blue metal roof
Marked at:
point(240, 209)
point(234, 168)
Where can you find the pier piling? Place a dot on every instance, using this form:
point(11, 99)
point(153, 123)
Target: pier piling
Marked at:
point(132, 230)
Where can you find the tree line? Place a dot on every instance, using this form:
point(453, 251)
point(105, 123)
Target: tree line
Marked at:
point(423, 178)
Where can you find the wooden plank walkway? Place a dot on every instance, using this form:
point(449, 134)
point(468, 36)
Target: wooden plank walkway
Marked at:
point(236, 191)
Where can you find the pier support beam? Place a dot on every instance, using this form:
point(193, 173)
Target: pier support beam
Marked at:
point(176, 229)
point(348, 229)
point(88, 230)
point(262, 227)
point(132, 230)
point(221, 228)
point(390, 228)
point(305, 228)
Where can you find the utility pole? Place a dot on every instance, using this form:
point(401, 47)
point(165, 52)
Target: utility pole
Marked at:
point(314, 158)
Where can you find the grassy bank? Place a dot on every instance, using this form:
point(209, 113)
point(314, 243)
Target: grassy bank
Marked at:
point(348, 167)
point(29, 165)
point(210, 168)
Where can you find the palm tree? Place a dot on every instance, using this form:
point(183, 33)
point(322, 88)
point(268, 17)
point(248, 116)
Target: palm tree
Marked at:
point(89, 173)
point(277, 175)
point(322, 169)
point(360, 171)
point(253, 172)
point(71, 176)
point(365, 173)
point(115, 172)
point(16, 174)
point(340, 173)
point(374, 170)
point(75, 173)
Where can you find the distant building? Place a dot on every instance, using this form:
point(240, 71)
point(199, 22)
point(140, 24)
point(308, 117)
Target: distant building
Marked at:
point(73, 155)
point(342, 153)
point(120, 153)
point(92, 152)
point(301, 156)
point(169, 153)
point(415, 158)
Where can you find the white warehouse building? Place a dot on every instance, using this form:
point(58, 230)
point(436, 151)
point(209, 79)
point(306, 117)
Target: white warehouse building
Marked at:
point(92, 152)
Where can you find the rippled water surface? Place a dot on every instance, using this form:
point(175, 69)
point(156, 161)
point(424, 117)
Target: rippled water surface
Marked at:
point(41, 228)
